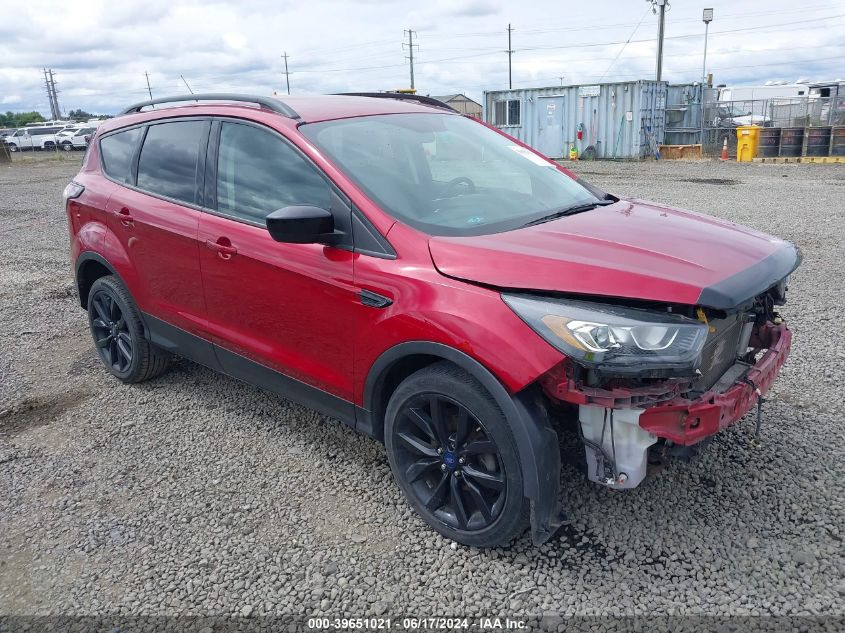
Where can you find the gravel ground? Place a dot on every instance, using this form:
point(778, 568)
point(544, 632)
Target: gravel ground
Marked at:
point(195, 493)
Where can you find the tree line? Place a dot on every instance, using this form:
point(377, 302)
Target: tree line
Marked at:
point(20, 119)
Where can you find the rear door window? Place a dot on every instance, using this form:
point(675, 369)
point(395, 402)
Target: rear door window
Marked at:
point(117, 151)
point(170, 158)
point(258, 173)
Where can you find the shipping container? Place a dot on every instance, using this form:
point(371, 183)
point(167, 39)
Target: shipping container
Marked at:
point(619, 120)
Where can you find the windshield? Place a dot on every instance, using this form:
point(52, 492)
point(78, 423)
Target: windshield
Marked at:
point(733, 111)
point(446, 174)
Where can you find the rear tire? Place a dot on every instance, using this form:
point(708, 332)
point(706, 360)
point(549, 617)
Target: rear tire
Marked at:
point(118, 333)
point(453, 454)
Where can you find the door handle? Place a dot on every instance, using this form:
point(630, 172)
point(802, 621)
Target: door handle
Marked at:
point(223, 247)
point(124, 216)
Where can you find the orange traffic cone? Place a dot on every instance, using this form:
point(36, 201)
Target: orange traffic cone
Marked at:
point(725, 149)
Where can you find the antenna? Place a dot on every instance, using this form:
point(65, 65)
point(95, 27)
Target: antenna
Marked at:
point(186, 85)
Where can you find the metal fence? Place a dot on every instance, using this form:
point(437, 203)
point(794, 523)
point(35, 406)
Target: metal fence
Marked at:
point(721, 118)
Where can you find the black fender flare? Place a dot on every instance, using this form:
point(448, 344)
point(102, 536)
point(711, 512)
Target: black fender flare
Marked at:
point(536, 440)
point(87, 256)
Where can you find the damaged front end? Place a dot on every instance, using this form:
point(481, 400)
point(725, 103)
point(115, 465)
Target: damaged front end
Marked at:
point(651, 379)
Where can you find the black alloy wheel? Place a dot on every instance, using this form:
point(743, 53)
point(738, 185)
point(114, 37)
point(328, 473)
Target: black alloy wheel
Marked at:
point(450, 462)
point(118, 333)
point(111, 332)
point(453, 454)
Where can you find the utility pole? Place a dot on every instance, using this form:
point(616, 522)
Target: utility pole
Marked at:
point(55, 94)
point(410, 46)
point(50, 85)
point(561, 79)
point(287, 74)
point(707, 18)
point(49, 94)
point(149, 90)
point(662, 5)
point(510, 53)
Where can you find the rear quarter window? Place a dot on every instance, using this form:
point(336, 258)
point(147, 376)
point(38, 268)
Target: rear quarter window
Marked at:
point(117, 151)
point(170, 157)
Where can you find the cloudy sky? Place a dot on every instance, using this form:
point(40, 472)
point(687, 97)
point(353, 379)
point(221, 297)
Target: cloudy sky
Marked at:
point(99, 50)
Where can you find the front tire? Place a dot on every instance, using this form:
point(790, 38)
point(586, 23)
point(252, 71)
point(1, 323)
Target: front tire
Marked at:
point(453, 454)
point(118, 333)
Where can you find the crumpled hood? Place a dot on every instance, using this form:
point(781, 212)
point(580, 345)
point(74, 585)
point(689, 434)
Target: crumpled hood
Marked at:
point(633, 249)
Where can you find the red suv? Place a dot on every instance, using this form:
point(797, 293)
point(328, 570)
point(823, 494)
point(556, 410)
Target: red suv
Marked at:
point(431, 282)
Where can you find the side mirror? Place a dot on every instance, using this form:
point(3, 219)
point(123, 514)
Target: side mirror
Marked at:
point(301, 225)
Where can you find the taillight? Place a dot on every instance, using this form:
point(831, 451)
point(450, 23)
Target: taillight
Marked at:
point(73, 190)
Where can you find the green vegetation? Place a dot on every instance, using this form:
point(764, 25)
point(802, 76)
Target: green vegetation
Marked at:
point(82, 115)
point(19, 119)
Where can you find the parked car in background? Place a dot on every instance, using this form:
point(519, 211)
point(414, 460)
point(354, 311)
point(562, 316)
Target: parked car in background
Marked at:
point(74, 138)
point(33, 137)
point(731, 115)
point(431, 282)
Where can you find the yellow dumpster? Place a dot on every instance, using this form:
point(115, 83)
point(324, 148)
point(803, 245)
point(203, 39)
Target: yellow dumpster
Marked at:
point(747, 141)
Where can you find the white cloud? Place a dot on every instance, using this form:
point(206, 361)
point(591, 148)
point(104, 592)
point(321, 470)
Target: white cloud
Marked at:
point(336, 45)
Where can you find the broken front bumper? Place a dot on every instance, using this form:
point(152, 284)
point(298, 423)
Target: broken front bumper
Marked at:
point(687, 422)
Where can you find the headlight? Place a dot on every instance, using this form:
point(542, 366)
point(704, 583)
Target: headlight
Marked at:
point(622, 340)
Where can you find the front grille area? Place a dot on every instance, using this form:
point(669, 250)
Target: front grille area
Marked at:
point(720, 351)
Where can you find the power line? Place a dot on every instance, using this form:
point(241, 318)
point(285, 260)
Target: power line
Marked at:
point(604, 27)
point(685, 36)
point(566, 47)
point(625, 45)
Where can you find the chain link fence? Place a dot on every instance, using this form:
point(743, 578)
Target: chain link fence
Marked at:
point(816, 117)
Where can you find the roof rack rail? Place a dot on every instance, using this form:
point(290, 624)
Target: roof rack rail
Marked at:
point(430, 101)
point(265, 102)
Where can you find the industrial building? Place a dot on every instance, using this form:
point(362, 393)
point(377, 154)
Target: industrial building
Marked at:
point(609, 120)
point(462, 104)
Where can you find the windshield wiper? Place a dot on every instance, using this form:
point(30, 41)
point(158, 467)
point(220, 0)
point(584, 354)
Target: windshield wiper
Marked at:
point(575, 208)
